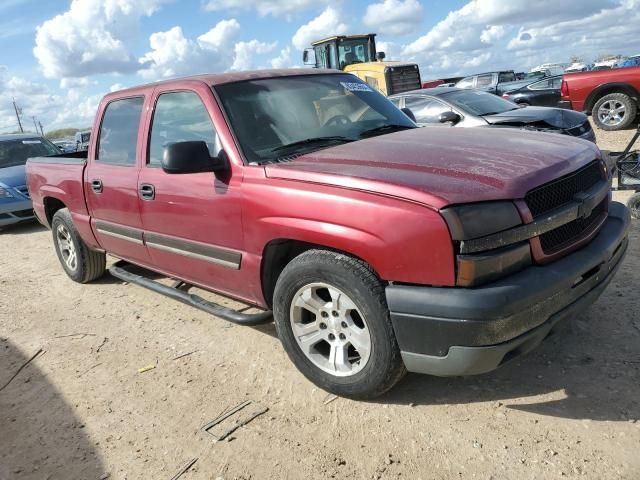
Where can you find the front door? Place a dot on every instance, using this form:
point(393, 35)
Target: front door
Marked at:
point(111, 181)
point(192, 222)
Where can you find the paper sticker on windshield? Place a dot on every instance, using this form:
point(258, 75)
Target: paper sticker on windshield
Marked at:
point(356, 87)
point(27, 142)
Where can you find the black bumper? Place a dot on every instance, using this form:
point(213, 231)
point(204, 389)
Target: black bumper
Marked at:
point(464, 331)
point(566, 104)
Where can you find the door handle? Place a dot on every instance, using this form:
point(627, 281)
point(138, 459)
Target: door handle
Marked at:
point(96, 185)
point(147, 191)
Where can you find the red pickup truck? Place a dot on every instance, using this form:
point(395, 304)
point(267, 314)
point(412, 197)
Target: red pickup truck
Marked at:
point(610, 96)
point(380, 247)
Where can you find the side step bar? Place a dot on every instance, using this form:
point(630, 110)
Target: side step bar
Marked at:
point(179, 292)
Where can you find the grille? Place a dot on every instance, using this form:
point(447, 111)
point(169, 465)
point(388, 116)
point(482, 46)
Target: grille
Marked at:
point(567, 234)
point(404, 78)
point(560, 192)
point(24, 190)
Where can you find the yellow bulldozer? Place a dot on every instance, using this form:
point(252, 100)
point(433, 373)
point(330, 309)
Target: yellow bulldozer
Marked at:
point(357, 54)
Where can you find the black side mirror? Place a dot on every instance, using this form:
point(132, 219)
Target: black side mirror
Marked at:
point(409, 113)
point(192, 157)
point(449, 117)
point(380, 56)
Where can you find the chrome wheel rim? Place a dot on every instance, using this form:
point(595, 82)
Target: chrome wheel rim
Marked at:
point(612, 112)
point(66, 247)
point(330, 329)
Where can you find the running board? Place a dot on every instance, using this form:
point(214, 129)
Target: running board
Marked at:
point(179, 292)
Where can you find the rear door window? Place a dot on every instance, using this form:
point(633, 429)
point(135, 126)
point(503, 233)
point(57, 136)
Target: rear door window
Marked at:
point(118, 137)
point(484, 80)
point(506, 77)
point(180, 117)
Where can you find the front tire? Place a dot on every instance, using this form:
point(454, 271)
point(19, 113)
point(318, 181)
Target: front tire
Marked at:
point(615, 111)
point(79, 262)
point(332, 318)
point(634, 206)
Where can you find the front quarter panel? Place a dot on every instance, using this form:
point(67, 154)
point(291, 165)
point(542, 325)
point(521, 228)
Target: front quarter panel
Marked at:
point(403, 241)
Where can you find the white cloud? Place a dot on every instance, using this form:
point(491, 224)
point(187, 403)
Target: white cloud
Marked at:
point(283, 60)
point(93, 36)
point(329, 22)
point(542, 29)
point(277, 8)
point(246, 51)
point(394, 17)
point(172, 54)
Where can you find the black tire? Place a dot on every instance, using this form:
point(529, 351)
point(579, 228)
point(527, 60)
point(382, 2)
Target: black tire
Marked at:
point(523, 104)
point(384, 367)
point(89, 264)
point(634, 206)
point(631, 110)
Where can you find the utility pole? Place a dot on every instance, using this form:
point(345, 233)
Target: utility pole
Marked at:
point(15, 107)
point(35, 124)
point(41, 131)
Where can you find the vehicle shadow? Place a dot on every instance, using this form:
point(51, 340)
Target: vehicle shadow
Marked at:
point(587, 378)
point(23, 228)
point(41, 436)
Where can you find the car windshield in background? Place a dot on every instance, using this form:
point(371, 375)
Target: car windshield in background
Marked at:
point(17, 151)
point(278, 117)
point(479, 103)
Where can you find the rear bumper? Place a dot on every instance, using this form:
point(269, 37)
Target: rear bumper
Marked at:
point(565, 104)
point(14, 212)
point(466, 331)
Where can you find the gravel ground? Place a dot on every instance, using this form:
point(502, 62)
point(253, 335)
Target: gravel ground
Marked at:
point(83, 410)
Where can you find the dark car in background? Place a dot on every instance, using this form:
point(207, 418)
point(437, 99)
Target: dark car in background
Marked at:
point(15, 203)
point(475, 108)
point(544, 93)
point(489, 81)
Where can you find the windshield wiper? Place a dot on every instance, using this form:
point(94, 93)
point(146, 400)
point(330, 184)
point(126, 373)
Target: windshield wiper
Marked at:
point(384, 129)
point(313, 141)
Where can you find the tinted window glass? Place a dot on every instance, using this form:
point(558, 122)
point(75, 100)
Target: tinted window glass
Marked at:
point(506, 77)
point(16, 152)
point(478, 102)
point(180, 117)
point(465, 83)
point(119, 131)
point(484, 80)
point(426, 110)
point(546, 84)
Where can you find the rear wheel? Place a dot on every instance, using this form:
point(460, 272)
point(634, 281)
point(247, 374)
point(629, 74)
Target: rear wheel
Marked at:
point(614, 111)
point(332, 318)
point(634, 206)
point(80, 263)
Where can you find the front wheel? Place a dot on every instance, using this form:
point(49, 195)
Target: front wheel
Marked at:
point(79, 262)
point(332, 318)
point(614, 111)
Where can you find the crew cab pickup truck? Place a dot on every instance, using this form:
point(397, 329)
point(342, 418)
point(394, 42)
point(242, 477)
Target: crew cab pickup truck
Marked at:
point(379, 247)
point(610, 96)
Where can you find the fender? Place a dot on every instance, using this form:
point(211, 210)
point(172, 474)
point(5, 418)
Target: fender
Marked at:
point(597, 92)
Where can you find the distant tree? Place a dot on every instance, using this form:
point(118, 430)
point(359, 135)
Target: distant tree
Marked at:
point(61, 132)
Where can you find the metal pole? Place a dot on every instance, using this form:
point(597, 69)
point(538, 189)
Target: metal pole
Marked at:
point(35, 124)
point(15, 107)
point(41, 130)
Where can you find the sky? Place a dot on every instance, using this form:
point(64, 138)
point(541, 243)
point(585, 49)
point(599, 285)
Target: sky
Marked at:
point(59, 57)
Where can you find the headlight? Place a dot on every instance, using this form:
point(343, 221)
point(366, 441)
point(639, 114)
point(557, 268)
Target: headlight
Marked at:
point(5, 193)
point(474, 221)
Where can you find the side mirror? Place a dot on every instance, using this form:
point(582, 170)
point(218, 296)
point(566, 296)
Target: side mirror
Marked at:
point(309, 57)
point(449, 117)
point(380, 56)
point(192, 157)
point(409, 113)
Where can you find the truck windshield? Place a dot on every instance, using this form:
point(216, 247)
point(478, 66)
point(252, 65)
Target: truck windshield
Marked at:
point(478, 102)
point(16, 152)
point(353, 51)
point(305, 113)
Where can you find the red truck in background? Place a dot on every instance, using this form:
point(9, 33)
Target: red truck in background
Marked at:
point(380, 247)
point(611, 96)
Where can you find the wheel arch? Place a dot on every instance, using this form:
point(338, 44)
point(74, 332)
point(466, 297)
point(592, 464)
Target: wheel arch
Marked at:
point(51, 206)
point(606, 89)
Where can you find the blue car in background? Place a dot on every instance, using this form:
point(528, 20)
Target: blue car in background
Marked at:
point(15, 204)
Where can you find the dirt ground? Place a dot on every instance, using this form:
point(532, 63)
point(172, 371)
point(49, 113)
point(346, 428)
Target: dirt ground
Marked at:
point(82, 410)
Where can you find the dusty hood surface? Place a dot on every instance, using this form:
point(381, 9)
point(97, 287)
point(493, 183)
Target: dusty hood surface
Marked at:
point(440, 166)
point(553, 117)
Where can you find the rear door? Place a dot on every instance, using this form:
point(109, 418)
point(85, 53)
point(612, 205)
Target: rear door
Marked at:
point(546, 93)
point(111, 180)
point(192, 222)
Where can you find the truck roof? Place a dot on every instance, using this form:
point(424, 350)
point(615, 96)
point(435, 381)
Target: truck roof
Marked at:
point(229, 77)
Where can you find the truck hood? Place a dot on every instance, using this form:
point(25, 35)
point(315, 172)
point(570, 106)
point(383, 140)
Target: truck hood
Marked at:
point(13, 176)
point(551, 117)
point(443, 166)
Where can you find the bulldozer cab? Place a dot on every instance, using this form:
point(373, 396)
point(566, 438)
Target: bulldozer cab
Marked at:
point(341, 51)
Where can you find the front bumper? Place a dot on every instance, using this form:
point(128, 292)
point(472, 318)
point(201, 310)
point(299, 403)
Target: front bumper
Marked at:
point(14, 212)
point(467, 331)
